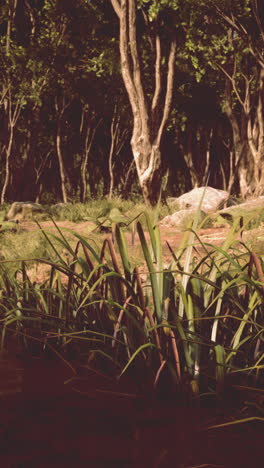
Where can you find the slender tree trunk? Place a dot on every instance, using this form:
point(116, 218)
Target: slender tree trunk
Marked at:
point(61, 108)
point(239, 163)
point(11, 111)
point(197, 154)
point(128, 173)
point(255, 134)
point(61, 164)
point(88, 126)
point(84, 165)
point(111, 170)
point(38, 193)
point(7, 164)
point(118, 139)
point(39, 171)
point(12, 7)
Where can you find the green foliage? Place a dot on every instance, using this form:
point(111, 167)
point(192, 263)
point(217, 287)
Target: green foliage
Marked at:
point(155, 7)
point(68, 52)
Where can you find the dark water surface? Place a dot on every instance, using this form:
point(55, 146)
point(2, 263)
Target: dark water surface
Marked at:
point(45, 423)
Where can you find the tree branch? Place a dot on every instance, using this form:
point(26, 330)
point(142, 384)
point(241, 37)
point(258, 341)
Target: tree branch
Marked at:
point(125, 61)
point(232, 22)
point(169, 90)
point(257, 18)
point(157, 92)
point(136, 65)
point(117, 7)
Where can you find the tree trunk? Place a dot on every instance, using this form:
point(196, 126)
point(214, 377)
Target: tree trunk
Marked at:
point(248, 134)
point(240, 164)
point(7, 98)
point(255, 134)
point(60, 109)
point(118, 139)
point(127, 176)
point(149, 125)
point(7, 164)
point(61, 164)
point(12, 7)
point(88, 127)
point(148, 163)
point(111, 171)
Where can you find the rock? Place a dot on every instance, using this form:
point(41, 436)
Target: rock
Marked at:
point(23, 210)
point(58, 208)
point(249, 205)
point(182, 218)
point(212, 199)
point(188, 204)
point(247, 211)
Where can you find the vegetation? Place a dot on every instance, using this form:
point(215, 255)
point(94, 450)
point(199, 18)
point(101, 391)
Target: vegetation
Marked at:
point(184, 105)
point(193, 327)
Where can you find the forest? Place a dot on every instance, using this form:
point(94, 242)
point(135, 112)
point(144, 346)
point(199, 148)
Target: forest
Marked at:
point(127, 98)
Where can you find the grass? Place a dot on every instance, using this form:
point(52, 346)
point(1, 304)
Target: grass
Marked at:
point(192, 327)
point(196, 325)
point(95, 209)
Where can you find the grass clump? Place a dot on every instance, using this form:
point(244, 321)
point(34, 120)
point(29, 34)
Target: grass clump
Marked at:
point(22, 245)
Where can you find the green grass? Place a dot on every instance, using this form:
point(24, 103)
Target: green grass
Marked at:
point(194, 326)
point(94, 209)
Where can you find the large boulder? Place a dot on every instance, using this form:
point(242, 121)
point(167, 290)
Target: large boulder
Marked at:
point(208, 199)
point(212, 199)
point(23, 210)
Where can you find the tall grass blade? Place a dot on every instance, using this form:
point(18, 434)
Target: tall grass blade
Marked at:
point(152, 272)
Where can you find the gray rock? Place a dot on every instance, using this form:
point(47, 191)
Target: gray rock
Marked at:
point(23, 210)
point(182, 218)
point(212, 199)
point(254, 204)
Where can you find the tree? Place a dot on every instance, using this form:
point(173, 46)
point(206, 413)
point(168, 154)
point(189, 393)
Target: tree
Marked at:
point(12, 106)
point(118, 139)
point(88, 126)
point(231, 41)
point(149, 119)
point(246, 81)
